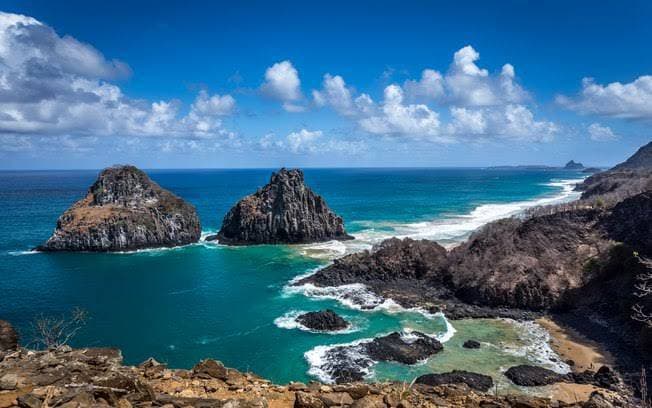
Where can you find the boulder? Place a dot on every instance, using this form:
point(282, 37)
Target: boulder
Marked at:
point(471, 344)
point(325, 320)
point(532, 376)
point(395, 347)
point(8, 336)
point(476, 381)
point(210, 368)
point(307, 400)
point(124, 210)
point(285, 211)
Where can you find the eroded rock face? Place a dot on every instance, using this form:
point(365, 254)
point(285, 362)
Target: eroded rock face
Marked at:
point(125, 210)
point(8, 336)
point(285, 211)
point(476, 381)
point(325, 320)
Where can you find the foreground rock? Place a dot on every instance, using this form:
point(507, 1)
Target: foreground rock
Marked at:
point(125, 210)
point(97, 378)
point(532, 376)
point(8, 337)
point(479, 382)
point(285, 211)
point(325, 320)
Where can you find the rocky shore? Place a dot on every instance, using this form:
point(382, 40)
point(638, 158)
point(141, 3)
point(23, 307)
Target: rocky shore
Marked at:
point(285, 211)
point(96, 377)
point(582, 261)
point(124, 210)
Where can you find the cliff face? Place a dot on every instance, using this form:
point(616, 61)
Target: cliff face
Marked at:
point(125, 210)
point(283, 211)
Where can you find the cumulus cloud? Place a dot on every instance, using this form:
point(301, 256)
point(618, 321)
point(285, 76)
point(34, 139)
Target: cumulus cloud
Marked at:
point(58, 86)
point(479, 105)
point(430, 86)
point(336, 94)
point(600, 133)
point(282, 83)
point(631, 100)
point(398, 118)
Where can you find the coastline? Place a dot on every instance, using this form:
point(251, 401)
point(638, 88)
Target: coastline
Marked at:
point(584, 353)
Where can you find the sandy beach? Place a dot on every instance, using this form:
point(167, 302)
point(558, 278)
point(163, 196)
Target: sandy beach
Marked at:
point(585, 354)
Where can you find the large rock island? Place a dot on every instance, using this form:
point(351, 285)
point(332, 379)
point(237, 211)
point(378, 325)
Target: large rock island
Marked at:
point(285, 211)
point(125, 210)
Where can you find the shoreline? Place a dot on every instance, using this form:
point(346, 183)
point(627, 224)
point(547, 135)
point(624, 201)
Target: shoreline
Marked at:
point(583, 352)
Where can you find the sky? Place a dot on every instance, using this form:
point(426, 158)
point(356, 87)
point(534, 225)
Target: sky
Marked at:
point(172, 84)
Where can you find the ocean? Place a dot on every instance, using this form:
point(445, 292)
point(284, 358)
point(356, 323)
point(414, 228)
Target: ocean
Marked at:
point(235, 304)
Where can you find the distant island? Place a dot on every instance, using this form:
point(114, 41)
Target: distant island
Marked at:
point(570, 165)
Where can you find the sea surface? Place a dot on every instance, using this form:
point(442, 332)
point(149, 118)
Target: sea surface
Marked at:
point(234, 303)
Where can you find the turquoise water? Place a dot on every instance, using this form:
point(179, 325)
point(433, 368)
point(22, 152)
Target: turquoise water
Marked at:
point(205, 300)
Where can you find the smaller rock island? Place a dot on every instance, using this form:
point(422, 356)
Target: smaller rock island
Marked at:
point(125, 210)
point(324, 320)
point(573, 165)
point(285, 211)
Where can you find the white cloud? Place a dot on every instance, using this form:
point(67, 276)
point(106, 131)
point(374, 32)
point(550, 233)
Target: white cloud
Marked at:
point(430, 86)
point(336, 94)
point(57, 86)
point(303, 140)
point(480, 105)
point(601, 133)
point(307, 141)
point(397, 118)
point(282, 83)
point(632, 100)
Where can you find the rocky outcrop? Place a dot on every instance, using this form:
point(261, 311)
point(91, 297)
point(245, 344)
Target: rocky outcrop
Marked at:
point(626, 179)
point(471, 344)
point(573, 165)
point(403, 349)
point(285, 211)
point(512, 263)
point(351, 362)
point(125, 210)
point(532, 376)
point(8, 337)
point(325, 320)
point(479, 382)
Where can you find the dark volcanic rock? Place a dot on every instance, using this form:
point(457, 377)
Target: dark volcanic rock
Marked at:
point(532, 376)
point(125, 210)
point(284, 211)
point(325, 320)
point(396, 347)
point(351, 363)
point(391, 261)
point(471, 344)
point(8, 336)
point(476, 381)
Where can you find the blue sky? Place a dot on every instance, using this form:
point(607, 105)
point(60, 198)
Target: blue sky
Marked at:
point(266, 84)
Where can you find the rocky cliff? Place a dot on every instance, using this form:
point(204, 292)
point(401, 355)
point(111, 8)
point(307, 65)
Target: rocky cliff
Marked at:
point(125, 210)
point(285, 211)
point(628, 178)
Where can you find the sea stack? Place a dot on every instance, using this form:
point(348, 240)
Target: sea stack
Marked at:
point(285, 211)
point(125, 210)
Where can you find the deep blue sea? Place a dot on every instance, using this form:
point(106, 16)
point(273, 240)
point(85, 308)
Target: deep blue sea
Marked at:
point(206, 300)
